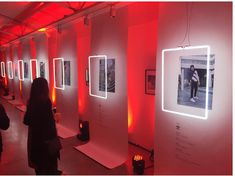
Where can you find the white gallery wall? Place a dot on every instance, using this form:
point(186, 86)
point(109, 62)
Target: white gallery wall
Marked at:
point(41, 47)
point(9, 58)
point(186, 145)
point(16, 78)
point(26, 56)
point(108, 117)
point(67, 99)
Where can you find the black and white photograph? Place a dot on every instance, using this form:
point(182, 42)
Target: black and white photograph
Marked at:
point(67, 73)
point(150, 76)
point(26, 70)
point(16, 70)
point(110, 75)
point(42, 69)
point(87, 76)
point(193, 79)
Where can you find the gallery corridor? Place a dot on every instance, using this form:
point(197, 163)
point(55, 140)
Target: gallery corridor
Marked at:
point(14, 157)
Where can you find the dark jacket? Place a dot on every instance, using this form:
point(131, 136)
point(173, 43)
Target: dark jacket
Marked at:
point(4, 123)
point(39, 118)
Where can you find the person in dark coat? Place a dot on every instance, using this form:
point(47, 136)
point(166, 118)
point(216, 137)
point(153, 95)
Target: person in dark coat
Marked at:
point(41, 128)
point(4, 125)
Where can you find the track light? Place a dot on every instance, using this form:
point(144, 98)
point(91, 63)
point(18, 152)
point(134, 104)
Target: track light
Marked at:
point(86, 20)
point(112, 12)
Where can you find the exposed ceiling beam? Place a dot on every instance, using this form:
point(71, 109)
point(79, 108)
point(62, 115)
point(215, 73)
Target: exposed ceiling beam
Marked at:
point(62, 4)
point(16, 21)
point(12, 34)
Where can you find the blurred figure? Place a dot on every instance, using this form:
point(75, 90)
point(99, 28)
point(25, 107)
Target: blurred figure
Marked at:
point(4, 125)
point(194, 81)
point(43, 152)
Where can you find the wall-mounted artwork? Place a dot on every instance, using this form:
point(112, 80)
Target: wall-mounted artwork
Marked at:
point(10, 69)
point(58, 73)
point(110, 75)
point(26, 70)
point(87, 76)
point(193, 79)
point(150, 77)
point(67, 73)
point(42, 69)
point(16, 69)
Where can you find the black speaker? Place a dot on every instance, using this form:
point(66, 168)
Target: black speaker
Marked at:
point(84, 130)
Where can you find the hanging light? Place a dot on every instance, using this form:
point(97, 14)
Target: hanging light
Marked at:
point(112, 12)
point(86, 20)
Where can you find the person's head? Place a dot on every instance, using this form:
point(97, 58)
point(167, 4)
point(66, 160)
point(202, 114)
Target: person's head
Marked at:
point(192, 67)
point(39, 90)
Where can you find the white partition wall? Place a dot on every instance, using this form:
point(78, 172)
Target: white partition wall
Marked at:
point(67, 94)
point(26, 71)
point(108, 129)
point(41, 45)
point(185, 144)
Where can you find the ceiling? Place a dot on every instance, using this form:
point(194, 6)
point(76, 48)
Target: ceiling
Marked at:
point(21, 18)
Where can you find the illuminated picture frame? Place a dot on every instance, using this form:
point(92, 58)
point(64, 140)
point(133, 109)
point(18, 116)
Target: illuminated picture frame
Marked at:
point(90, 80)
point(3, 71)
point(207, 47)
point(62, 66)
point(10, 69)
point(31, 68)
point(22, 68)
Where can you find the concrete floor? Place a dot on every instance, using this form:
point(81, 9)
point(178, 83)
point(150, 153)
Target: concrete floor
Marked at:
point(14, 157)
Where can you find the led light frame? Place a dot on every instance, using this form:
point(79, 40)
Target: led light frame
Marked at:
point(55, 86)
point(31, 68)
point(10, 66)
point(106, 81)
point(3, 71)
point(22, 68)
point(207, 80)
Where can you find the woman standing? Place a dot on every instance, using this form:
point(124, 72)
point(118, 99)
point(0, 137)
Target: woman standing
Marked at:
point(4, 125)
point(39, 118)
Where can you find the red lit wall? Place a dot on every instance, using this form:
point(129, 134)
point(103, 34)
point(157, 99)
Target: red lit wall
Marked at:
point(52, 53)
point(142, 46)
point(83, 51)
point(16, 80)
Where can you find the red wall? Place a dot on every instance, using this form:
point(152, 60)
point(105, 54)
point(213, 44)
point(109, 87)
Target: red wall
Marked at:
point(142, 46)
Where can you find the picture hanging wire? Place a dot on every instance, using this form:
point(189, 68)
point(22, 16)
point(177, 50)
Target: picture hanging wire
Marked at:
point(189, 8)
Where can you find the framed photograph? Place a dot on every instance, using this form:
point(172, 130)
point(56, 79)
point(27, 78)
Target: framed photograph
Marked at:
point(26, 70)
point(67, 73)
point(42, 69)
point(87, 77)
point(150, 76)
point(192, 81)
point(110, 75)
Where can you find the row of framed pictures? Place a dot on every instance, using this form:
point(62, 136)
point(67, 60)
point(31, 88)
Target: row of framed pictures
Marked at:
point(62, 73)
point(21, 70)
